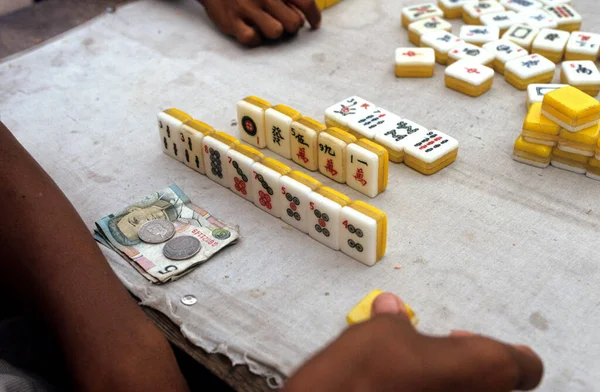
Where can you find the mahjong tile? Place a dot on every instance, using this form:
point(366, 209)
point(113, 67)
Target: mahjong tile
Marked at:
point(503, 20)
point(367, 125)
point(568, 19)
point(469, 77)
point(414, 62)
point(583, 46)
point(431, 152)
point(420, 11)
point(362, 168)
point(169, 124)
point(536, 92)
point(394, 137)
point(215, 160)
point(504, 50)
point(338, 115)
point(581, 74)
point(520, 5)
point(471, 52)
point(551, 43)
point(191, 134)
point(426, 25)
point(265, 186)
point(539, 18)
point(441, 42)
point(472, 12)
point(325, 205)
point(305, 145)
point(530, 66)
point(240, 167)
point(332, 153)
point(453, 8)
point(479, 35)
point(521, 35)
point(295, 205)
point(360, 235)
point(251, 121)
point(555, 2)
point(278, 122)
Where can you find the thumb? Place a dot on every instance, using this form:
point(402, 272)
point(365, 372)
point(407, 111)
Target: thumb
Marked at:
point(388, 303)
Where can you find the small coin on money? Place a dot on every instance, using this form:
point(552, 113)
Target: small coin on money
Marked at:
point(188, 300)
point(221, 234)
point(181, 248)
point(156, 231)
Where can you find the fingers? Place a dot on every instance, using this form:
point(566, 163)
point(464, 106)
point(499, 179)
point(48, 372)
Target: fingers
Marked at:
point(388, 303)
point(268, 26)
point(245, 34)
point(310, 10)
point(288, 17)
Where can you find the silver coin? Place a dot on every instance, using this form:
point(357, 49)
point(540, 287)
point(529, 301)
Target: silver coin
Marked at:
point(188, 300)
point(156, 231)
point(181, 248)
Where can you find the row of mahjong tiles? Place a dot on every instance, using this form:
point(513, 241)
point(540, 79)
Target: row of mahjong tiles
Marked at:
point(356, 228)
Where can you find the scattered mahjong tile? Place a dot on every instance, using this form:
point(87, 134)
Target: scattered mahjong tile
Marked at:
point(469, 77)
point(504, 50)
point(536, 92)
point(441, 42)
point(367, 167)
point(582, 143)
point(567, 18)
point(362, 311)
point(338, 115)
point(240, 160)
point(265, 188)
point(473, 11)
point(593, 169)
point(583, 46)
point(278, 123)
point(296, 188)
point(169, 124)
point(503, 20)
point(538, 129)
point(367, 125)
point(533, 154)
point(539, 18)
point(464, 51)
point(551, 43)
point(363, 232)
point(191, 134)
point(524, 71)
point(571, 108)
point(479, 35)
point(521, 35)
point(215, 148)
point(325, 205)
point(304, 145)
point(251, 120)
point(414, 62)
point(452, 8)
point(423, 26)
point(568, 161)
point(333, 143)
point(415, 12)
point(431, 152)
point(395, 137)
point(581, 74)
point(520, 5)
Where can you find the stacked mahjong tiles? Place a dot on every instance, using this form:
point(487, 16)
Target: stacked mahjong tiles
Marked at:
point(521, 39)
point(563, 130)
point(356, 228)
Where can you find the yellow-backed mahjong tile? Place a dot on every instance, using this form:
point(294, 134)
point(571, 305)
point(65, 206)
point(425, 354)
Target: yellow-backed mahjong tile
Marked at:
point(537, 128)
point(567, 18)
point(332, 153)
point(215, 148)
point(441, 42)
point(325, 205)
point(479, 35)
point(593, 169)
point(415, 12)
point(533, 154)
point(504, 50)
point(469, 77)
point(367, 125)
point(169, 124)
point(363, 232)
point(339, 114)
point(521, 5)
point(523, 71)
point(431, 153)
point(396, 136)
point(466, 51)
point(191, 134)
point(305, 142)
point(536, 92)
point(503, 20)
point(367, 167)
point(296, 188)
point(251, 120)
point(322, 4)
point(582, 74)
point(472, 11)
point(452, 8)
point(278, 124)
point(569, 161)
point(551, 43)
point(362, 311)
point(265, 185)
point(241, 159)
point(571, 108)
point(539, 18)
point(414, 62)
point(521, 35)
point(423, 26)
point(583, 46)
point(583, 142)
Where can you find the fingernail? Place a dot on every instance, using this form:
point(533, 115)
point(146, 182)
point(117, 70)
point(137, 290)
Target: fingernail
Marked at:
point(459, 332)
point(386, 303)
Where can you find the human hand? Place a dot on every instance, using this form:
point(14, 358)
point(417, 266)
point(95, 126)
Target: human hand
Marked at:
point(251, 21)
point(388, 354)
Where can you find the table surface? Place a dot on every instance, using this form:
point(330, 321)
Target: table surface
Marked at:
point(487, 244)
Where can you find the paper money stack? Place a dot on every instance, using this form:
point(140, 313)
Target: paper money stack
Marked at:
point(164, 236)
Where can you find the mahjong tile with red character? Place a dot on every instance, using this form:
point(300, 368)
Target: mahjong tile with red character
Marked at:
point(265, 185)
point(395, 137)
point(431, 153)
point(567, 18)
point(473, 11)
point(367, 167)
point(305, 144)
point(414, 62)
point(296, 188)
point(469, 77)
point(504, 50)
point(251, 120)
point(240, 161)
point(363, 232)
point(479, 35)
point(415, 12)
point(427, 25)
point(452, 8)
point(470, 52)
point(325, 205)
point(191, 134)
point(581, 74)
point(503, 20)
point(524, 71)
point(521, 35)
point(333, 143)
point(441, 42)
point(339, 114)
point(170, 122)
point(366, 126)
point(583, 46)
point(551, 44)
point(215, 148)
point(278, 123)
point(520, 5)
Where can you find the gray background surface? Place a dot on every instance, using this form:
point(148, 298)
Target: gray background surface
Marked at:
point(487, 244)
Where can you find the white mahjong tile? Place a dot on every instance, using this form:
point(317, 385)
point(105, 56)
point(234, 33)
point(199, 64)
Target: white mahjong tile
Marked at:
point(536, 92)
point(396, 136)
point(521, 35)
point(479, 34)
point(367, 125)
point(564, 14)
point(294, 205)
point(505, 50)
point(440, 41)
point(555, 2)
point(278, 136)
point(190, 142)
point(266, 194)
point(470, 71)
point(520, 5)
point(240, 174)
point(472, 52)
point(168, 128)
point(420, 11)
point(305, 146)
point(538, 18)
point(414, 57)
point(454, 4)
point(551, 40)
point(433, 23)
point(476, 10)
point(503, 20)
point(358, 236)
point(251, 123)
point(362, 170)
point(581, 73)
point(324, 220)
point(332, 157)
point(342, 111)
point(587, 44)
point(215, 160)
point(530, 66)
point(432, 146)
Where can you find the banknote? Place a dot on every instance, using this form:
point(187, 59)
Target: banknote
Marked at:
point(119, 231)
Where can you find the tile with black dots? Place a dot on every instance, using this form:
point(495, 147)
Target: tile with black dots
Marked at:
point(325, 205)
point(363, 232)
point(215, 148)
point(265, 188)
point(251, 120)
point(240, 160)
point(296, 188)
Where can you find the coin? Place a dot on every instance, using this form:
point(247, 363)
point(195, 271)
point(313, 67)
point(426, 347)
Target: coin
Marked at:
point(189, 300)
point(181, 248)
point(221, 234)
point(156, 231)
